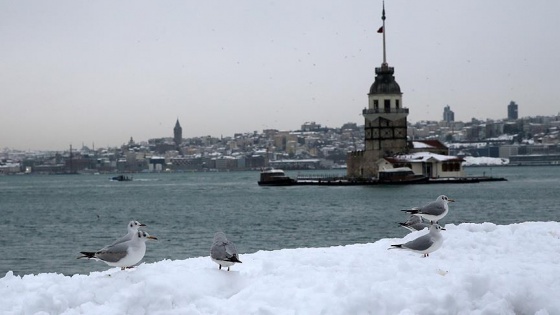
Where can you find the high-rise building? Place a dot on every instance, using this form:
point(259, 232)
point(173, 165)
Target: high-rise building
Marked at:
point(512, 111)
point(448, 114)
point(177, 133)
point(385, 120)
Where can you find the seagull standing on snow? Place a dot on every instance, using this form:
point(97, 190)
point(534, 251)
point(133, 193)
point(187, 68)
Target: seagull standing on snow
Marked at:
point(125, 254)
point(424, 244)
point(223, 251)
point(414, 223)
point(434, 211)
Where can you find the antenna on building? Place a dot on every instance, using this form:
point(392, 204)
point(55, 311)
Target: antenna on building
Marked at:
point(383, 31)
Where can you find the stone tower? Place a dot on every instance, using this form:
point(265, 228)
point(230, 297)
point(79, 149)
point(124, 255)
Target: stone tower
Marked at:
point(385, 121)
point(177, 133)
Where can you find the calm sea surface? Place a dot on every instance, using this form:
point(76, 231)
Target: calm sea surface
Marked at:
point(47, 220)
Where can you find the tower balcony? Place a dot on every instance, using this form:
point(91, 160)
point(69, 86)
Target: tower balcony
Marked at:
point(392, 114)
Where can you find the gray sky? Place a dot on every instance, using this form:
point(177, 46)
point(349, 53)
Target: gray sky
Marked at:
point(82, 71)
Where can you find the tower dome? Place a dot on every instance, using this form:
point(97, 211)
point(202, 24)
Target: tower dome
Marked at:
point(385, 82)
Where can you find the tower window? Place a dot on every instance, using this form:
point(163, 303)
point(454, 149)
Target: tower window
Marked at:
point(387, 106)
point(376, 104)
point(397, 103)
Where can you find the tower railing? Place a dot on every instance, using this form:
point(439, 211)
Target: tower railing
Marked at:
point(383, 110)
point(384, 69)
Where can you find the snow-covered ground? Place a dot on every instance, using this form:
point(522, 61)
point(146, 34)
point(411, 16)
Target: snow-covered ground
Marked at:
point(484, 160)
point(480, 269)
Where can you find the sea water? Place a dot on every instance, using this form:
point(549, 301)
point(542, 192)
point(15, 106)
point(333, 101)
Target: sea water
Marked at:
point(47, 220)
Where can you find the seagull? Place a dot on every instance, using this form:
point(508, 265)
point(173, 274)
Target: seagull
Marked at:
point(415, 223)
point(125, 254)
point(223, 251)
point(132, 229)
point(424, 244)
point(434, 211)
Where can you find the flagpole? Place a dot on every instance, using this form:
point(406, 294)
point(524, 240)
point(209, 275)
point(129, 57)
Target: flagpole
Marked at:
point(384, 31)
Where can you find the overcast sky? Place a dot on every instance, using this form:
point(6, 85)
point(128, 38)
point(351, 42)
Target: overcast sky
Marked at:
point(82, 71)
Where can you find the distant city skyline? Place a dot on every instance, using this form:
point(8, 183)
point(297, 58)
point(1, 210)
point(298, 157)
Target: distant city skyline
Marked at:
point(101, 72)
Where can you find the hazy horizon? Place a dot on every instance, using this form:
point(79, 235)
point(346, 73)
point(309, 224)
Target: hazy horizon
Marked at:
point(100, 72)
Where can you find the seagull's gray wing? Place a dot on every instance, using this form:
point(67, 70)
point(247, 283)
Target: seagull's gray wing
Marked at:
point(218, 251)
point(433, 208)
point(231, 250)
point(419, 226)
point(122, 239)
point(413, 219)
point(113, 253)
point(223, 251)
point(419, 244)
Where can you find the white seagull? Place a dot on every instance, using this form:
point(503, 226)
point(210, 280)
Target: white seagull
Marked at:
point(125, 254)
point(223, 252)
point(434, 211)
point(424, 244)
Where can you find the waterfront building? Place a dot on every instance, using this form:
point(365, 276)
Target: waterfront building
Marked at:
point(535, 159)
point(385, 134)
point(385, 117)
point(426, 163)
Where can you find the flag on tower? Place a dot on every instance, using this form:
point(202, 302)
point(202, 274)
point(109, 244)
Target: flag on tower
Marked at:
point(380, 30)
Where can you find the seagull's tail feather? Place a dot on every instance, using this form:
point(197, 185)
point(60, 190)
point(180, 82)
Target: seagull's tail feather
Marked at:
point(88, 255)
point(234, 259)
point(411, 211)
point(395, 246)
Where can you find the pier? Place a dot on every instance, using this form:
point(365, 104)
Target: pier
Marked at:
point(331, 180)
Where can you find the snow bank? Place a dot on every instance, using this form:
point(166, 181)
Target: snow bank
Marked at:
point(480, 269)
point(484, 160)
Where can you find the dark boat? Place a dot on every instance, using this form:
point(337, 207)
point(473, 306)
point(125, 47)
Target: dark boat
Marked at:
point(275, 177)
point(121, 178)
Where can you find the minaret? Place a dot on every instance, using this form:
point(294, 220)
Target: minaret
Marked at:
point(385, 120)
point(177, 134)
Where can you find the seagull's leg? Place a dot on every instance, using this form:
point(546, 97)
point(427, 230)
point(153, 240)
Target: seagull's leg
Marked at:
point(227, 268)
point(220, 268)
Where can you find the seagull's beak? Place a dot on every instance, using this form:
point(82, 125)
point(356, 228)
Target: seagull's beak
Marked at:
point(442, 228)
point(152, 237)
point(450, 200)
point(142, 224)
